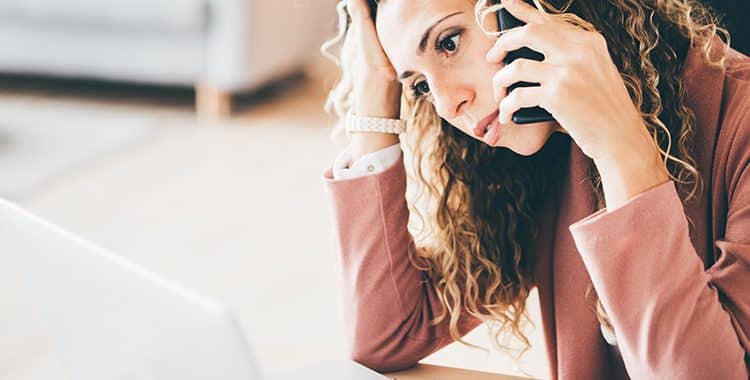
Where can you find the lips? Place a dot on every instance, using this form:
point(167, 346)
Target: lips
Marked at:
point(493, 133)
point(481, 128)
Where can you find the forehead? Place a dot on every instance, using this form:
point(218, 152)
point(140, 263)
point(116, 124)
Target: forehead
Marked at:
point(401, 23)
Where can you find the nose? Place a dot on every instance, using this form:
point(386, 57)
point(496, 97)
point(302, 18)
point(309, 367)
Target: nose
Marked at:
point(451, 98)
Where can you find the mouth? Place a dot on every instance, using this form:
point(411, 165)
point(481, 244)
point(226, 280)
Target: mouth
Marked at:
point(483, 126)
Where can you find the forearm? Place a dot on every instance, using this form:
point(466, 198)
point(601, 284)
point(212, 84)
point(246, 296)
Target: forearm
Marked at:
point(388, 302)
point(651, 282)
point(626, 175)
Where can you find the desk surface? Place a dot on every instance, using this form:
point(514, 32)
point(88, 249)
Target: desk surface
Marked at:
point(433, 372)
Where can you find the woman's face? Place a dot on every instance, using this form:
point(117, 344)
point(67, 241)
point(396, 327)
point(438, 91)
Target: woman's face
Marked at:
point(452, 72)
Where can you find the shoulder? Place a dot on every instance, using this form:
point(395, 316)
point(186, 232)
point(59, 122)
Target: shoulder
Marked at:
point(738, 65)
point(735, 123)
point(736, 94)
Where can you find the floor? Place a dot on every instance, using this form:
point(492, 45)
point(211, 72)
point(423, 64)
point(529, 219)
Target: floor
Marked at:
point(234, 209)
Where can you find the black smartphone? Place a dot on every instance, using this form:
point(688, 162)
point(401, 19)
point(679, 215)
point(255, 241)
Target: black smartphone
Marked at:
point(529, 115)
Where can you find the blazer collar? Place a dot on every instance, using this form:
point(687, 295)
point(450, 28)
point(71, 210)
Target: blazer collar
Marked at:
point(704, 88)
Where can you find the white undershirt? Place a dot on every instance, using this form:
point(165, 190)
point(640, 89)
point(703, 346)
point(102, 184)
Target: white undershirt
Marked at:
point(368, 164)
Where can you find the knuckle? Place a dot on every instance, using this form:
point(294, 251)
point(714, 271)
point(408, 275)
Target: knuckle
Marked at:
point(510, 101)
point(351, 8)
point(544, 28)
point(526, 94)
point(521, 65)
point(548, 102)
point(598, 42)
point(506, 105)
point(554, 87)
point(514, 67)
point(599, 38)
point(354, 7)
point(528, 29)
point(577, 56)
point(564, 87)
point(497, 79)
point(565, 73)
point(565, 83)
point(532, 28)
point(496, 44)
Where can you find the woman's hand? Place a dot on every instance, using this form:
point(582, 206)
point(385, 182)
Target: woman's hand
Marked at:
point(376, 90)
point(583, 89)
point(370, 59)
point(580, 85)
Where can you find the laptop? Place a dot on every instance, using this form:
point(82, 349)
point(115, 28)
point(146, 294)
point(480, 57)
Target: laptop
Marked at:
point(110, 319)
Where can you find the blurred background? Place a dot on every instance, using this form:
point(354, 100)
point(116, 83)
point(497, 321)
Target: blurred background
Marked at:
point(189, 137)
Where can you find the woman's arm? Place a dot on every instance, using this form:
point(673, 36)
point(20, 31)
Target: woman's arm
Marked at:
point(388, 303)
point(673, 319)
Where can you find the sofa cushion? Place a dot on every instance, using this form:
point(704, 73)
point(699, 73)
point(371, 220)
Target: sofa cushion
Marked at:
point(146, 15)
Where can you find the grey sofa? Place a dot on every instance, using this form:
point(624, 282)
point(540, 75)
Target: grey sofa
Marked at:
point(220, 47)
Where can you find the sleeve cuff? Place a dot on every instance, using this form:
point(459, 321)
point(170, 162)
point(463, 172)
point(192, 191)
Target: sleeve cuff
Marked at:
point(368, 164)
point(602, 228)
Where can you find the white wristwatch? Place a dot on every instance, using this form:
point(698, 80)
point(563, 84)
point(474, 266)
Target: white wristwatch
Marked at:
point(374, 124)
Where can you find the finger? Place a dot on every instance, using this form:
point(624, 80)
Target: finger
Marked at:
point(494, 54)
point(525, 70)
point(358, 9)
point(539, 37)
point(523, 11)
point(521, 97)
point(361, 17)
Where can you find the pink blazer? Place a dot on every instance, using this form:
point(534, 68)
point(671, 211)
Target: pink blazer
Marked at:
point(679, 301)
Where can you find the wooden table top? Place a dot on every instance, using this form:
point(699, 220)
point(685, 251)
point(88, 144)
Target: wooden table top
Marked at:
point(433, 372)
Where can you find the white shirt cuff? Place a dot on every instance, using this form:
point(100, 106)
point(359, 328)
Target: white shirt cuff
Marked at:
point(368, 164)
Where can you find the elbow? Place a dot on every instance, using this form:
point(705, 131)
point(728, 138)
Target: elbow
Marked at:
point(381, 361)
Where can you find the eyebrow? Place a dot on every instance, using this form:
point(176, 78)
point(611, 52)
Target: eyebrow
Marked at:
point(423, 43)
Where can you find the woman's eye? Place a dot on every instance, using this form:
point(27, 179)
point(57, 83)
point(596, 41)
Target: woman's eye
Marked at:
point(450, 44)
point(420, 89)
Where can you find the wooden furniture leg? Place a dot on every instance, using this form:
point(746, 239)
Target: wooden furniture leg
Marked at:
point(211, 102)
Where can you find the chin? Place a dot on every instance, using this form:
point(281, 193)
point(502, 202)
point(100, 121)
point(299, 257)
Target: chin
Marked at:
point(526, 150)
point(527, 140)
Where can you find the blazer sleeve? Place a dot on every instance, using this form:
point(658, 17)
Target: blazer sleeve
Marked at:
point(672, 318)
point(388, 302)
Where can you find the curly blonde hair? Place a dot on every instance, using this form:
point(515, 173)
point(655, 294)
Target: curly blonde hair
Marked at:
point(477, 206)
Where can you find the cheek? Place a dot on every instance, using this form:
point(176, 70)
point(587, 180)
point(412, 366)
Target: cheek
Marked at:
point(462, 125)
point(480, 73)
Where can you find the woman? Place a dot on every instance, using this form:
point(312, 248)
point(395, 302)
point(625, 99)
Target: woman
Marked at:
point(630, 212)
